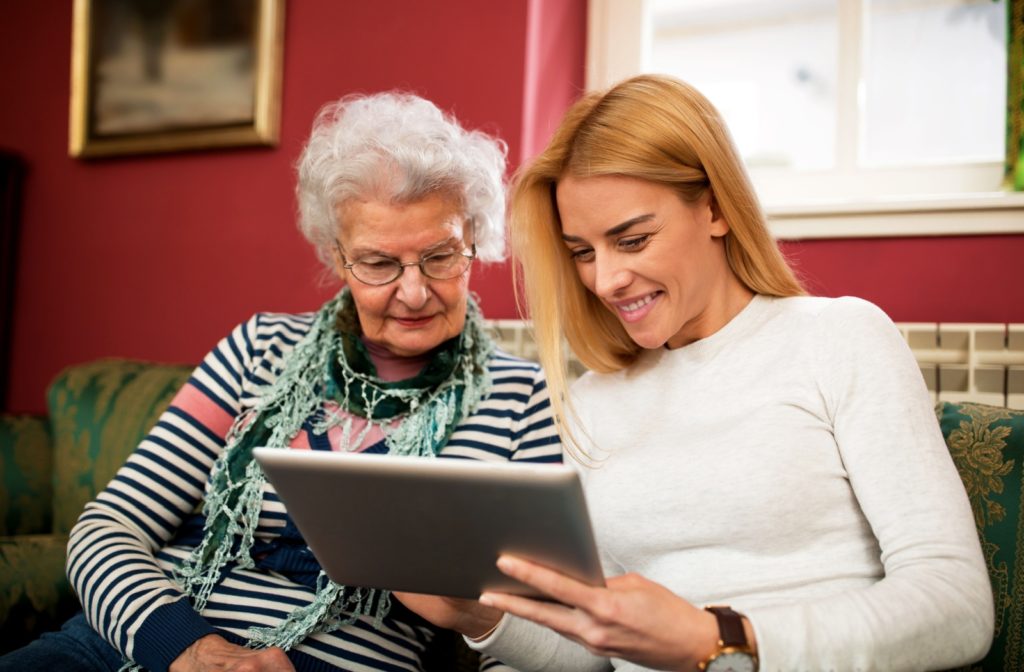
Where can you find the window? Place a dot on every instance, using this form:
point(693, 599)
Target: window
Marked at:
point(835, 104)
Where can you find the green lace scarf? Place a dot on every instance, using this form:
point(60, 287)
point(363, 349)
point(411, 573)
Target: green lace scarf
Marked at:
point(330, 363)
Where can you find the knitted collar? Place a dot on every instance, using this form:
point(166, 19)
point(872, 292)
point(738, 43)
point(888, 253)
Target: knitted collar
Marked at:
point(330, 363)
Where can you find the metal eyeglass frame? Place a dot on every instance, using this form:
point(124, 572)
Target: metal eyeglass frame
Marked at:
point(400, 266)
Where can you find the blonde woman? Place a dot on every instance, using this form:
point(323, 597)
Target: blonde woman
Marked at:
point(740, 443)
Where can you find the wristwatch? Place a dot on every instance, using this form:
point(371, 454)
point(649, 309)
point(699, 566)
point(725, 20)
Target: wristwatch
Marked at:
point(734, 653)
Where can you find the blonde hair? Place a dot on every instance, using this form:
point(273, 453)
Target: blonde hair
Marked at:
point(649, 127)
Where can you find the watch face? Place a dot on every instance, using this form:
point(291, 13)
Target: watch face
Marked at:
point(732, 661)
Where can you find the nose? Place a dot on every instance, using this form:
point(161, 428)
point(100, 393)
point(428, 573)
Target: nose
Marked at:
point(611, 275)
point(412, 287)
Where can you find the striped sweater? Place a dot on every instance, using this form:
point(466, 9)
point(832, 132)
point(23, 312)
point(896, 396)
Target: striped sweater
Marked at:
point(126, 542)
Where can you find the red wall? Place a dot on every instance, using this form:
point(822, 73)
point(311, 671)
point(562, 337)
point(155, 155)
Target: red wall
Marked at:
point(157, 257)
point(942, 279)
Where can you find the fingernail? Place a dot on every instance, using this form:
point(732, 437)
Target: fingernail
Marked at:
point(486, 600)
point(504, 563)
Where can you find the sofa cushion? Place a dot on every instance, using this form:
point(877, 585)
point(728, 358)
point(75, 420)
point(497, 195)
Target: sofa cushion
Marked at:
point(26, 475)
point(99, 411)
point(987, 445)
point(34, 592)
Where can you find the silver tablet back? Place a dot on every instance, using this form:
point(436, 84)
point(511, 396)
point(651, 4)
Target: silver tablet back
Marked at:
point(433, 525)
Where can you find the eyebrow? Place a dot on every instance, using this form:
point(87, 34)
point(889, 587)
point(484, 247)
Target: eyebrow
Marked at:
point(369, 252)
point(617, 229)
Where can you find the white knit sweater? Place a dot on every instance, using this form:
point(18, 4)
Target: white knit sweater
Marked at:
point(789, 465)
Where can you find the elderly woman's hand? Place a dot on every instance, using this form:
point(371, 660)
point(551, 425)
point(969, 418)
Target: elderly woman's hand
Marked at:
point(467, 617)
point(215, 653)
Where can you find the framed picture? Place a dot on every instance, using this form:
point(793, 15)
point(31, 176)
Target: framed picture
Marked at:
point(170, 75)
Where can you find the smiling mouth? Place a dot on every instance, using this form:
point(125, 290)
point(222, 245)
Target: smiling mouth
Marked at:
point(637, 309)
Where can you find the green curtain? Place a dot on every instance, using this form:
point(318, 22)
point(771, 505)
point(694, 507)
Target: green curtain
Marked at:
point(1015, 95)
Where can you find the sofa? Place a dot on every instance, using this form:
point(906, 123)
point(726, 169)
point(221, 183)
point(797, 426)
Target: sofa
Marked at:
point(99, 411)
point(53, 465)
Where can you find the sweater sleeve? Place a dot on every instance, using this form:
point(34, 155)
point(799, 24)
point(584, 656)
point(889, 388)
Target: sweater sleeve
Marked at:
point(533, 648)
point(125, 594)
point(933, 608)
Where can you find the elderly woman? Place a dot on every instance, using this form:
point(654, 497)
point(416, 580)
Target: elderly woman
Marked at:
point(188, 560)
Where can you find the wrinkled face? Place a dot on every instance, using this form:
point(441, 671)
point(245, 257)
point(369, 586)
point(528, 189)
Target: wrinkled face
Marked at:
point(413, 314)
point(656, 262)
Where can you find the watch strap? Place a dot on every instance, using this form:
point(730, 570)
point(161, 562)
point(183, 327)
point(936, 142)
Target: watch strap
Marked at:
point(730, 626)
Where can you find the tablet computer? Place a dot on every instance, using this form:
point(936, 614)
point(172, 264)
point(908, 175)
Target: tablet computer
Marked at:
point(433, 525)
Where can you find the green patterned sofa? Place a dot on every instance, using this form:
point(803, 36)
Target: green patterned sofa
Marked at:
point(99, 411)
point(987, 444)
point(52, 466)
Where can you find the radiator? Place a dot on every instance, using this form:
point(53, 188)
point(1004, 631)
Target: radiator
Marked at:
point(970, 362)
point(959, 362)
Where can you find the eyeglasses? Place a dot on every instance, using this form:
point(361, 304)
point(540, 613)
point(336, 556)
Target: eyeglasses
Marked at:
point(377, 270)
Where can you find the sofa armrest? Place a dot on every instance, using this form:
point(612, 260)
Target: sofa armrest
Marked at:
point(987, 446)
point(26, 471)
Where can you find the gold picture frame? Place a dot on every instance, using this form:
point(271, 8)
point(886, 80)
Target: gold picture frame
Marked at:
point(173, 75)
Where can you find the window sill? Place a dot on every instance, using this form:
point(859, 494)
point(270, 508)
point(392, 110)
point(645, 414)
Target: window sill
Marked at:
point(960, 215)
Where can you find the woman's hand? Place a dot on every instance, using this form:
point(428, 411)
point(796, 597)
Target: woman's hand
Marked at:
point(467, 617)
point(631, 618)
point(215, 653)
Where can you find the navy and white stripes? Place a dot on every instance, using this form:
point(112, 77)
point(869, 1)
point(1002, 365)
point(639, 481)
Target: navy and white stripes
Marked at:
point(126, 542)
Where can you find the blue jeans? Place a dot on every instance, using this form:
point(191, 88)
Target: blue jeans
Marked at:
point(76, 647)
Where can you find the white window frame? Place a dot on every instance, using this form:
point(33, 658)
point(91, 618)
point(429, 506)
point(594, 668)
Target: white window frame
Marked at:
point(959, 199)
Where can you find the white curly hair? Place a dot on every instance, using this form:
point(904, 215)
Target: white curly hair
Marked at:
point(400, 148)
